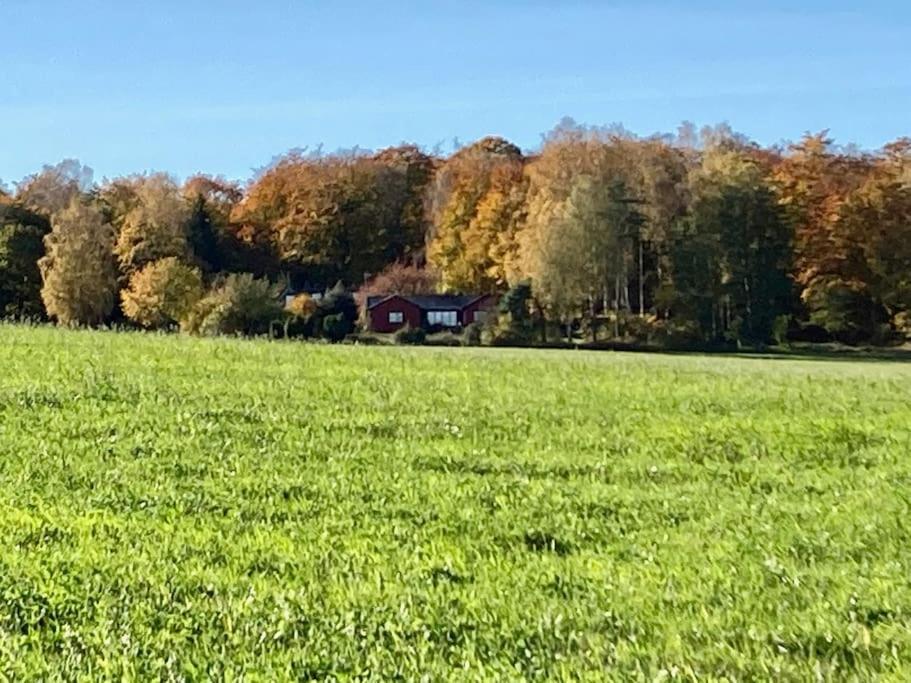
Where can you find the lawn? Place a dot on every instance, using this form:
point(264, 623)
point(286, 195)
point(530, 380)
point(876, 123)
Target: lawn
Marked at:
point(196, 509)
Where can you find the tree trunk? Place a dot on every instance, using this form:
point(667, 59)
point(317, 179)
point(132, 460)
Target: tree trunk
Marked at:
point(616, 306)
point(641, 282)
point(542, 318)
point(592, 317)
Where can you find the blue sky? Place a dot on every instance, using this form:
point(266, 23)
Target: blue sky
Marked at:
point(222, 87)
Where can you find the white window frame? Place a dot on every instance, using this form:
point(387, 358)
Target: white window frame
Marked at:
point(443, 318)
point(396, 317)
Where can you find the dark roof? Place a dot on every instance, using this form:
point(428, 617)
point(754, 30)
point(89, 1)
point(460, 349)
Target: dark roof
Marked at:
point(431, 302)
point(307, 288)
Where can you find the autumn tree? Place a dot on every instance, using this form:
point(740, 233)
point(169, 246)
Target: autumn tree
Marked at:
point(476, 203)
point(876, 220)
point(553, 255)
point(703, 232)
point(663, 170)
point(54, 187)
point(489, 240)
point(162, 293)
point(597, 230)
point(813, 180)
point(584, 223)
point(78, 270)
point(339, 217)
point(888, 248)
point(154, 226)
point(118, 197)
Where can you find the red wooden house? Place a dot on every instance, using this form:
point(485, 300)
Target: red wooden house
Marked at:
point(395, 311)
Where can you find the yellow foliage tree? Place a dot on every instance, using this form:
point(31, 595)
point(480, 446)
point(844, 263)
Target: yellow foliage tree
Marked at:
point(156, 225)
point(477, 203)
point(302, 306)
point(162, 293)
point(78, 272)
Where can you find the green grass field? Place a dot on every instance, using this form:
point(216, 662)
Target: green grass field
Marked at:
point(197, 509)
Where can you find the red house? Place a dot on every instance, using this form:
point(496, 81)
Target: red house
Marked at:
point(392, 312)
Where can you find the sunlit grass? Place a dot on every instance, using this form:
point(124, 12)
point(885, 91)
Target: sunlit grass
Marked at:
point(173, 507)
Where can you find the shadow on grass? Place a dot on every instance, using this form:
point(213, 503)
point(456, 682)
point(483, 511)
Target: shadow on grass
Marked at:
point(820, 352)
point(851, 355)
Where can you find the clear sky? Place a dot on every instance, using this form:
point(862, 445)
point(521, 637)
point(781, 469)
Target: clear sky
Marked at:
point(223, 86)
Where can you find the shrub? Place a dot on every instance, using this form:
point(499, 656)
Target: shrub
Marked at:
point(883, 335)
point(447, 338)
point(239, 304)
point(678, 334)
point(505, 331)
point(846, 310)
point(514, 325)
point(780, 329)
point(902, 322)
point(368, 339)
point(810, 334)
point(162, 293)
point(302, 306)
point(335, 327)
point(299, 315)
point(473, 334)
point(410, 335)
point(339, 304)
point(639, 328)
point(505, 336)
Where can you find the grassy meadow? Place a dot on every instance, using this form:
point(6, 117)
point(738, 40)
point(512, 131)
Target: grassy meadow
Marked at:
point(177, 508)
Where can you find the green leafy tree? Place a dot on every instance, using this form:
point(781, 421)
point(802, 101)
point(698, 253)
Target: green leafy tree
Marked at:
point(580, 240)
point(408, 175)
point(734, 255)
point(22, 235)
point(238, 304)
point(212, 237)
point(339, 305)
point(515, 322)
point(202, 236)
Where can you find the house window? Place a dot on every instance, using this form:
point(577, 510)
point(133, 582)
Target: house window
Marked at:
point(480, 316)
point(444, 318)
point(396, 317)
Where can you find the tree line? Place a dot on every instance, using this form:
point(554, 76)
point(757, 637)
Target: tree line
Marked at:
point(701, 236)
